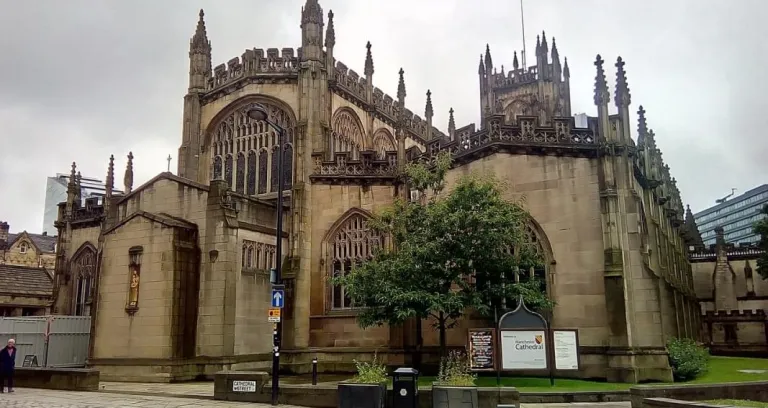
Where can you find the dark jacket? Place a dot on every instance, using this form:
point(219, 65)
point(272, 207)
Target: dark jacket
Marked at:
point(7, 361)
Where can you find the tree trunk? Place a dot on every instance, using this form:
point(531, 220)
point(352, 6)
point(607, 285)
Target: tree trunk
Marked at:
point(441, 327)
point(419, 344)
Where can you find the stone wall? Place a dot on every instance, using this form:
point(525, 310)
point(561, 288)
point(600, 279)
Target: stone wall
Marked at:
point(754, 391)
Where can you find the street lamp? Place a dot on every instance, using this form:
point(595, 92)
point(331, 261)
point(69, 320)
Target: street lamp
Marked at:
point(259, 113)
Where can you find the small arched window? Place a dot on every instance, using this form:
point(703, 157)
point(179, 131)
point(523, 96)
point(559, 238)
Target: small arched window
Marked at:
point(23, 247)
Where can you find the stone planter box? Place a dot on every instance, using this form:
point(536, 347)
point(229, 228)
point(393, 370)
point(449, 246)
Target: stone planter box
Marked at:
point(352, 395)
point(454, 397)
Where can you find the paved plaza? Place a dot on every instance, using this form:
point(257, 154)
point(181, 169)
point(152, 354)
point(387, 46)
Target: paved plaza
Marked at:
point(34, 398)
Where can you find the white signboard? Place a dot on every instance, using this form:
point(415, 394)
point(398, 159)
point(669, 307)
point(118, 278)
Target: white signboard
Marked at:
point(244, 386)
point(523, 350)
point(566, 350)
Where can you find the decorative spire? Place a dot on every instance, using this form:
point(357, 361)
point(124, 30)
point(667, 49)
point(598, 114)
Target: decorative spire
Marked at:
point(368, 60)
point(602, 96)
point(199, 42)
point(623, 98)
point(538, 44)
point(128, 179)
point(401, 87)
point(650, 139)
point(428, 112)
point(515, 63)
point(72, 178)
point(110, 182)
point(555, 54)
point(481, 68)
point(451, 124)
point(488, 60)
point(330, 32)
point(566, 70)
point(78, 187)
point(642, 125)
point(311, 13)
point(544, 46)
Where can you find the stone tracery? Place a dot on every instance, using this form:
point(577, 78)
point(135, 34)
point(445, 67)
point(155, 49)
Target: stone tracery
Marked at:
point(84, 269)
point(347, 133)
point(352, 242)
point(239, 148)
point(383, 143)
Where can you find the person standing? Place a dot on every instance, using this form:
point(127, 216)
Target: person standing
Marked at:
point(7, 364)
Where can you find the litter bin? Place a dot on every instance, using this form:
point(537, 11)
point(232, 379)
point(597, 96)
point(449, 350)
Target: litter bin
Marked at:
point(405, 388)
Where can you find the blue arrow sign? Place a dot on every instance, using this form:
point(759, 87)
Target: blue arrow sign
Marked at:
point(278, 298)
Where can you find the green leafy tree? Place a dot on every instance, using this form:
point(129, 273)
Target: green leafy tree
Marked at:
point(450, 252)
point(761, 227)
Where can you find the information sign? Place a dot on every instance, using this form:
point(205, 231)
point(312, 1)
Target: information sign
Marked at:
point(566, 346)
point(523, 350)
point(274, 315)
point(482, 349)
point(244, 386)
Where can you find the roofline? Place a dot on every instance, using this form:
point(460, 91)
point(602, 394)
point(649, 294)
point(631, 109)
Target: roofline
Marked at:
point(153, 217)
point(168, 176)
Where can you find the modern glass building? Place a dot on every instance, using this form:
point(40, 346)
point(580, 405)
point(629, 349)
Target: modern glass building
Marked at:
point(736, 215)
point(56, 192)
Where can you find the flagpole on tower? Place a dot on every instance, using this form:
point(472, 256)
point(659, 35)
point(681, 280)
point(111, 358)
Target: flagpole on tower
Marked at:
point(522, 22)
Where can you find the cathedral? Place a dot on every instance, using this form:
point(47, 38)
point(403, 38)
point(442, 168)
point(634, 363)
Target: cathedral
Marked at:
point(175, 273)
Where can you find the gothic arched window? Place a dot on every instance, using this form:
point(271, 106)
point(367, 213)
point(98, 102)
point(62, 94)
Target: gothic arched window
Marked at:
point(237, 134)
point(251, 184)
point(228, 170)
point(347, 133)
point(273, 178)
point(383, 143)
point(240, 180)
point(288, 166)
point(217, 164)
point(262, 171)
point(83, 271)
point(353, 242)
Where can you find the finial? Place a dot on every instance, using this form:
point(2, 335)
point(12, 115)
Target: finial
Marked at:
point(368, 60)
point(128, 178)
point(544, 47)
point(401, 87)
point(428, 112)
point(451, 123)
point(109, 185)
point(488, 60)
point(515, 62)
point(623, 97)
point(74, 170)
point(538, 44)
point(330, 32)
point(200, 41)
point(566, 70)
point(602, 96)
point(481, 68)
point(79, 178)
point(642, 125)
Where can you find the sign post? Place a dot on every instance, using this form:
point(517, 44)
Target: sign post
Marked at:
point(482, 349)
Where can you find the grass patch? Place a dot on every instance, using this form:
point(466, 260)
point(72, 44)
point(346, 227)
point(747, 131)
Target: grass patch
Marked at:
point(739, 403)
point(726, 369)
point(721, 370)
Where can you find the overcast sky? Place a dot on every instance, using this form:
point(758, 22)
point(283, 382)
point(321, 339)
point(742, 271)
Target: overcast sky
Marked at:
point(83, 79)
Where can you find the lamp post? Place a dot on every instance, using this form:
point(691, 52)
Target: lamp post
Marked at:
point(258, 112)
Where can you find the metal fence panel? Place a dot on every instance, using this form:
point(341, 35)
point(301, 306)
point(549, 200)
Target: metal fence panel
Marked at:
point(68, 338)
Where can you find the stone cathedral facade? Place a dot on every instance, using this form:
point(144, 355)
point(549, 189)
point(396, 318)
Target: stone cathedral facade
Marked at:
point(175, 272)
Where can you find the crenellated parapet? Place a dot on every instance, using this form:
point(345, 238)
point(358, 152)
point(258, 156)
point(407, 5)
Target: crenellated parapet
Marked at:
point(749, 315)
point(343, 169)
point(256, 62)
point(350, 85)
point(733, 252)
point(526, 135)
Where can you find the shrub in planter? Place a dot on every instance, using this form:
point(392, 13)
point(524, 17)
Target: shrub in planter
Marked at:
point(687, 358)
point(455, 385)
point(368, 389)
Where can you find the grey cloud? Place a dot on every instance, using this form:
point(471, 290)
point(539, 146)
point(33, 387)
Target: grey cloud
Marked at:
point(84, 79)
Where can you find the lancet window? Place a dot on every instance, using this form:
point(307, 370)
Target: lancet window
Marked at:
point(241, 148)
point(83, 271)
point(383, 143)
point(347, 134)
point(353, 242)
point(258, 255)
point(538, 271)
